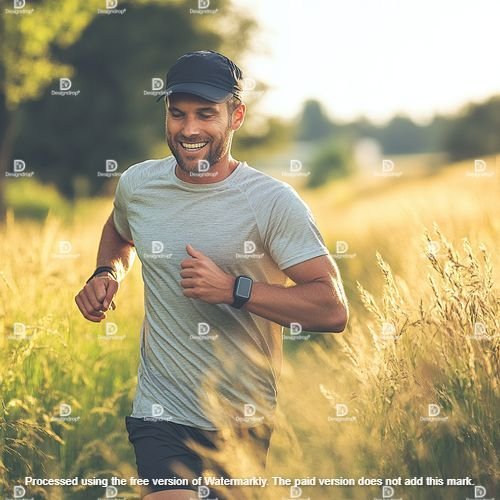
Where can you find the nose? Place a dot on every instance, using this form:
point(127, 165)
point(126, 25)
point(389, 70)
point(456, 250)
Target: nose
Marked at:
point(190, 127)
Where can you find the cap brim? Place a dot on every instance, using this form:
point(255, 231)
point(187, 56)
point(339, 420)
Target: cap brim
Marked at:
point(208, 92)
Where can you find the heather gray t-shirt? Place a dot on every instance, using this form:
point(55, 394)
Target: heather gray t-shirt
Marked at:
point(199, 361)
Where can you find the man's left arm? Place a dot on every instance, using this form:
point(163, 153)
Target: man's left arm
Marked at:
point(317, 301)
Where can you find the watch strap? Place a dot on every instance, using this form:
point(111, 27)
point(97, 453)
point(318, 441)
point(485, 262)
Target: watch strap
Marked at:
point(103, 269)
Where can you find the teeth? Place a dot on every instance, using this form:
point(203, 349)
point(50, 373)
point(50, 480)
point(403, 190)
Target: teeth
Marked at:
point(193, 146)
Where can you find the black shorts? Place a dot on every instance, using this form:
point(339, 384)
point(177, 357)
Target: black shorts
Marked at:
point(162, 452)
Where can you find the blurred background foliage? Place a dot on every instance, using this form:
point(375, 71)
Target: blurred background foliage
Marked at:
point(112, 60)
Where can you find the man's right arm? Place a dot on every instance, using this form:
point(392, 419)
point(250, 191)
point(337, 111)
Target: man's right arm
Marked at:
point(96, 296)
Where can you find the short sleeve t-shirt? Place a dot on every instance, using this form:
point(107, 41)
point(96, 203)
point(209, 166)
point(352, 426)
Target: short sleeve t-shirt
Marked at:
point(203, 362)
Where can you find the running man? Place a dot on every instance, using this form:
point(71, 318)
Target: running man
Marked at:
point(217, 240)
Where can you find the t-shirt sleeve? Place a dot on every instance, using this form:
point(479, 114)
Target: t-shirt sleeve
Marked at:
point(291, 234)
point(120, 204)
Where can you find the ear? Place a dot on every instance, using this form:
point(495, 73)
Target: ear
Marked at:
point(238, 116)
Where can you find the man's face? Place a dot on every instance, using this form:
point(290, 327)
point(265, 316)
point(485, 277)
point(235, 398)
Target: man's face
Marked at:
point(198, 129)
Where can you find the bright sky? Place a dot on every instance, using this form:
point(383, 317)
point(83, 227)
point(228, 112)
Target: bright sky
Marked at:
point(375, 57)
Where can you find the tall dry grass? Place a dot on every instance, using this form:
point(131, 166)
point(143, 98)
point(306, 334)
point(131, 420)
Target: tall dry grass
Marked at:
point(421, 279)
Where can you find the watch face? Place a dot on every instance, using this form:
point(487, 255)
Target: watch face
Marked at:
point(243, 288)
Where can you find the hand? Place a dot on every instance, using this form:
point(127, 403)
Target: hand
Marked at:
point(205, 280)
point(96, 296)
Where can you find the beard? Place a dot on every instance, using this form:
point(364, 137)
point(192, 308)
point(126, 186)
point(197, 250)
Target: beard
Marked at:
point(190, 162)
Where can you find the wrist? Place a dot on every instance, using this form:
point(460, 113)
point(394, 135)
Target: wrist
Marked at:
point(229, 297)
point(104, 271)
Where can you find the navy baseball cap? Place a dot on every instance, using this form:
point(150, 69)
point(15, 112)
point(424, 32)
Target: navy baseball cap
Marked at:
point(204, 73)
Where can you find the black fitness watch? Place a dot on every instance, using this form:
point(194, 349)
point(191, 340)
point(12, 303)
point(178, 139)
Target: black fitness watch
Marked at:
point(102, 269)
point(241, 291)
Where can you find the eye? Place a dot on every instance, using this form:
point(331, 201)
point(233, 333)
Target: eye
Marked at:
point(176, 114)
point(206, 116)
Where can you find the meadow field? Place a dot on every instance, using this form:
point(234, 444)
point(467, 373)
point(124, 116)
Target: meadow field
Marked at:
point(409, 390)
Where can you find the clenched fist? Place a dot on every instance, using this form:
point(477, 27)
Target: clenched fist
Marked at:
point(205, 280)
point(97, 296)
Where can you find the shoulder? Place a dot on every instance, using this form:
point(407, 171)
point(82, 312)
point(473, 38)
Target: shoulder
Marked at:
point(143, 172)
point(264, 188)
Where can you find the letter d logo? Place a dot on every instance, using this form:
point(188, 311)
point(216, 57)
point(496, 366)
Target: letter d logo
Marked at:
point(295, 491)
point(203, 491)
point(341, 247)
point(64, 84)
point(111, 4)
point(203, 165)
point(249, 247)
point(18, 491)
point(341, 410)
point(111, 492)
point(433, 410)
point(203, 4)
point(479, 166)
point(295, 165)
point(19, 4)
point(111, 328)
point(387, 165)
point(387, 491)
point(479, 491)
point(249, 410)
point(157, 410)
point(111, 165)
point(157, 246)
point(203, 328)
point(64, 410)
point(19, 165)
point(156, 83)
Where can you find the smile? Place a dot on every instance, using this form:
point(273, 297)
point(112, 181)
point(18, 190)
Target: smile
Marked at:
point(195, 146)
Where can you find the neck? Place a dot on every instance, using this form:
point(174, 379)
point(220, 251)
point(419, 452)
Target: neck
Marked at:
point(217, 172)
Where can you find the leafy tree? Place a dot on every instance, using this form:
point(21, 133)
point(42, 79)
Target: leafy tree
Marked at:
point(27, 65)
point(475, 132)
point(314, 124)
